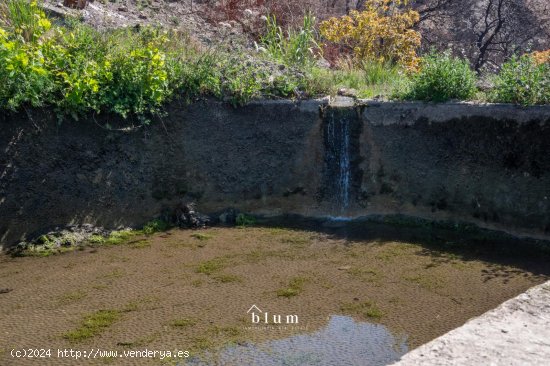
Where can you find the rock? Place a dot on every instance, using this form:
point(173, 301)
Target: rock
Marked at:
point(228, 217)
point(298, 190)
point(142, 16)
point(69, 236)
point(75, 4)
point(347, 92)
point(485, 84)
point(188, 217)
point(322, 63)
point(123, 9)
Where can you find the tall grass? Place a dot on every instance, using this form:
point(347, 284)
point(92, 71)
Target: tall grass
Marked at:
point(23, 18)
point(293, 47)
point(372, 79)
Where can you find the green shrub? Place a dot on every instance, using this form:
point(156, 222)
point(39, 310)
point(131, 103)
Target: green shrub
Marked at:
point(24, 78)
point(24, 18)
point(442, 77)
point(241, 83)
point(155, 226)
point(522, 81)
point(245, 220)
point(78, 69)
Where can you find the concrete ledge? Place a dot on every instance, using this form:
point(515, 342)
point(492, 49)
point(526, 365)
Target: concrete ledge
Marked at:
point(515, 333)
point(408, 113)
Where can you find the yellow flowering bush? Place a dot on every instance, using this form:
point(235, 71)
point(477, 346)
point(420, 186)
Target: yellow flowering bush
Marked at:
point(383, 32)
point(541, 57)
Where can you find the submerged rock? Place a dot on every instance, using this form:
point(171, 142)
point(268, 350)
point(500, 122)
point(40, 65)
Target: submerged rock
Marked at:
point(228, 217)
point(188, 217)
point(61, 237)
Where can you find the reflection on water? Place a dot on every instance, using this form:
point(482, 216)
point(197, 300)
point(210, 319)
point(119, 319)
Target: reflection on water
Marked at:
point(342, 342)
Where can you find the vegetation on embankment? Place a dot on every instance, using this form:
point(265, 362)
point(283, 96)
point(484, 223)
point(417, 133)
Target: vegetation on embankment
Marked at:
point(132, 72)
point(77, 237)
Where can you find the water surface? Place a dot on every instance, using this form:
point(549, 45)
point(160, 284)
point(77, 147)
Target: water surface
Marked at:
point(342, 342)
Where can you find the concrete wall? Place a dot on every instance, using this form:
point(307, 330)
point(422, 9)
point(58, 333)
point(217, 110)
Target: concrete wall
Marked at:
point(489, 165)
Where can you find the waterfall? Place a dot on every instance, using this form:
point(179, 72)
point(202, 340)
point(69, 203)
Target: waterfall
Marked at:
point(337, 137)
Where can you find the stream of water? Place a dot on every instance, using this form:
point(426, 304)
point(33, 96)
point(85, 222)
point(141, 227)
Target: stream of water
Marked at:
point(338, 161)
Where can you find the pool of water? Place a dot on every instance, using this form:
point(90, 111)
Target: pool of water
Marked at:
point(343, 341)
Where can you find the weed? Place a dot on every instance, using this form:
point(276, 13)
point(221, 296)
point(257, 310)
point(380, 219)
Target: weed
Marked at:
point(72, 297)
point(294, 288)
point(139, 244)
point(366, 309)
point(139, 342)
point(100, 287)
point(296, 240)
point(93, 325)
point(96, 239)
point(226, 278)
point(117, 273)
point(120, 237)
point(202, 236)
point(202, 343)
point(245, 220)
point(196, 283)
point(429, 281)
point(227, 331)
point(211, 266)
point(183, 323)
point(368, 275)
point(131, 306)
point(155, 226)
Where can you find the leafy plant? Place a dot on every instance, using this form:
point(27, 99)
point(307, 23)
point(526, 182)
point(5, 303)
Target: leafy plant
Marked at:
point(155, 226)
point(24, 18)
point(245, 220)
point(78, 69)
point(523, 80)
point(24, 76)
point(442, 77)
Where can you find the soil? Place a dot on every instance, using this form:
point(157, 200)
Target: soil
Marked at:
point(190, 290)
point(186, 16)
